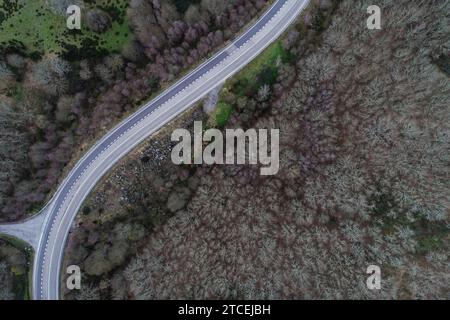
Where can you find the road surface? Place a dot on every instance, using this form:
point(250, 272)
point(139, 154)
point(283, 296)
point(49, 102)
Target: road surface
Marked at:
point(64, 206)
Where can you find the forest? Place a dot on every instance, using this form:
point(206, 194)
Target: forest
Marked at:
point(15, 265)
point(364, 124)
point(60, 93)
point(364, 175)
point(61, 90)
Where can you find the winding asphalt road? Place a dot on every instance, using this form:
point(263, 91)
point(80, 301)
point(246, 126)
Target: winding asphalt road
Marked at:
point(64, 206)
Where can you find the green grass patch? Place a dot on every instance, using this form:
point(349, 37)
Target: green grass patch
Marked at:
point(43, 30)
point(267, 59)
point(222, 114)
point(262, 70)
